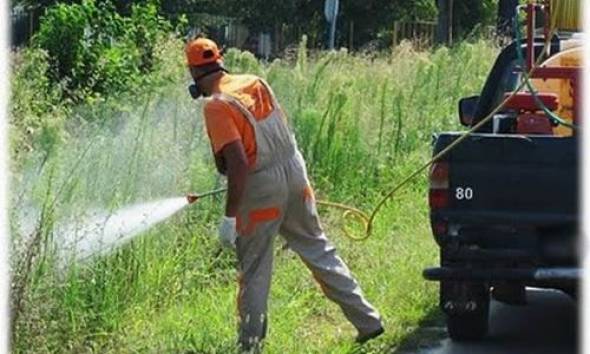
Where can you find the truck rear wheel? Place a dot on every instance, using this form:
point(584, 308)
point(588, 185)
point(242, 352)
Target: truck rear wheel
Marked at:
point(468, 326)
point(467, 307)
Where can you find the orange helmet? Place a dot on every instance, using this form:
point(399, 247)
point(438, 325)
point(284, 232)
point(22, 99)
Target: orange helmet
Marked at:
point(202, 51)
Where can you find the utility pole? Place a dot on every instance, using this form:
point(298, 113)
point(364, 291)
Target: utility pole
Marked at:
point(331, 12)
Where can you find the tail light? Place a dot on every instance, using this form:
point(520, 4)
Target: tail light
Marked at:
point(438, 196)
point(439, 228)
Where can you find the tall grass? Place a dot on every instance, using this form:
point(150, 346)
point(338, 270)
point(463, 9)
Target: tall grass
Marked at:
point(362, 123)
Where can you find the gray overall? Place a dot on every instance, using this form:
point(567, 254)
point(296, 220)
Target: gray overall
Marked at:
point(278, 199)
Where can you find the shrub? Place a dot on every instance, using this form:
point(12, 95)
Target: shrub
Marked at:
point(94, 50)
point(146, 28)
point(36, 111)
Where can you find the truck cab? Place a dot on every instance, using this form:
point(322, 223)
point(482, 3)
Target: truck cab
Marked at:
point(504, 201)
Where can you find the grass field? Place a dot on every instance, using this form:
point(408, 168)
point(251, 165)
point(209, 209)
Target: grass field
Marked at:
point(363, 122)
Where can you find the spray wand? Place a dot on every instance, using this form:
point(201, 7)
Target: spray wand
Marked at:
point(192, 197)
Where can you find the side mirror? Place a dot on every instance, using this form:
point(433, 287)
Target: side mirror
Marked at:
point(467, 108)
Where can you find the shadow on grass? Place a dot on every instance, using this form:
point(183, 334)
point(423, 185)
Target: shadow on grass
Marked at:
point(427, 334)
point(430, 330)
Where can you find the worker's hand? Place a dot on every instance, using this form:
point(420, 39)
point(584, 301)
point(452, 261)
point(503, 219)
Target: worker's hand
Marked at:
point(227, 232)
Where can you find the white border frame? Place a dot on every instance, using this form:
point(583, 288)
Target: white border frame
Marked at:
point(4, 243)
point(4, 180)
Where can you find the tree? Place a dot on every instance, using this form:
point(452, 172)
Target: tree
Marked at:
point(457, 19)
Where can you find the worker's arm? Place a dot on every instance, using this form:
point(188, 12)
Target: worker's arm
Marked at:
point(236, 164)
point(219, 163)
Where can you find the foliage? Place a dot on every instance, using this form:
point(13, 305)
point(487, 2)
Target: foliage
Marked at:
point(42, 111)
point(473, 14)
point(36, 111)
point(145, 28)
point(82, 54)
point(94, 50)
point(373, 19)
point(377, 16)
point(370, 17)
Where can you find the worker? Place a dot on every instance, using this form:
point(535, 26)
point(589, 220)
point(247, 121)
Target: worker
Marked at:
point(268, 194)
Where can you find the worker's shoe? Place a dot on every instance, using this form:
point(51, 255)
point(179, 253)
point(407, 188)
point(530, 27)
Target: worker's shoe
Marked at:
point(363, 338)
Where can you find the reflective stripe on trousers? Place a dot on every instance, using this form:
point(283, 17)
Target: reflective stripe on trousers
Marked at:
point(278, 200)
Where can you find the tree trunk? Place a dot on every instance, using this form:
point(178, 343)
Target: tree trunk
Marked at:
point(277, 40)
point(506, 14)
point(444, 32)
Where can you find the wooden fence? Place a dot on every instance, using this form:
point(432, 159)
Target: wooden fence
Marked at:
point(421, 32)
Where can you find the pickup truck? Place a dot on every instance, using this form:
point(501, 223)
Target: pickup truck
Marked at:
point(504, 202)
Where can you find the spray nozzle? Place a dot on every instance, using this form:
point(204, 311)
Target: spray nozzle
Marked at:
point(192, 198)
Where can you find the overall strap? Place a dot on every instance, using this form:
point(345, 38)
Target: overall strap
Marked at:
point(273, 97)
point(236, 103)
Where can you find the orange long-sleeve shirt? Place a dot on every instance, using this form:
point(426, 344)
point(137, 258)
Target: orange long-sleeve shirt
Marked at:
point(225, 123)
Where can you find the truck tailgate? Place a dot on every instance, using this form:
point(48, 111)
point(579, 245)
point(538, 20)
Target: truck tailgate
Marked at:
point(510, 178)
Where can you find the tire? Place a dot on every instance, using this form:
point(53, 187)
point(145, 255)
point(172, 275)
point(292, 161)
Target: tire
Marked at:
point(468, 326)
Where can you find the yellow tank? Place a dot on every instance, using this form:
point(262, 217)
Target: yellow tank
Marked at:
point(562, 88)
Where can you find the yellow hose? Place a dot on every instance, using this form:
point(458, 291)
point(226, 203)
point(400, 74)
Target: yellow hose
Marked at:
point(348, 214)
point(566, 14)
point(367, 220)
